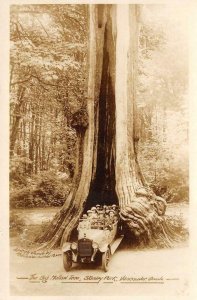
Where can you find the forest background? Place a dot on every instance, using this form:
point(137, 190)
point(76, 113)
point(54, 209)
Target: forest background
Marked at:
point(48, 84)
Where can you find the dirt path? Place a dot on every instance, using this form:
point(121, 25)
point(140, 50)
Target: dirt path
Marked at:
point(132, 272)
point(127, 268)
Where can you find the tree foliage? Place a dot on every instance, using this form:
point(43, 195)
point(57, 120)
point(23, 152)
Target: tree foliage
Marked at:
point(162, 100)
point(47, 84)
point(48, 97)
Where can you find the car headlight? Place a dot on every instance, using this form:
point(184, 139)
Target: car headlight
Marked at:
point(94, 245)
point(73, 246)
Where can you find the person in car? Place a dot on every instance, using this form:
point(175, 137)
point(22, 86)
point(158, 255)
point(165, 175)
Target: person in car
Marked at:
point(109, 219)
point(98, 208)
point(115, 209)
point(90, 214)
point(107, 210)
point(85, 223)
point(100, 219)
point(104, 207)
point(101, 215)
point(114, 215)
point(111, 216)
point(106, 216)
point(94, 212)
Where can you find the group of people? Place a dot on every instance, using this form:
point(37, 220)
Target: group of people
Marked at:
point(99, 215)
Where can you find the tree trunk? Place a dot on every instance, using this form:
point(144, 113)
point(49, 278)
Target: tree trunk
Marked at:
point(18, 115)
point(66, 219)
point(31, 167)
point(107, 170)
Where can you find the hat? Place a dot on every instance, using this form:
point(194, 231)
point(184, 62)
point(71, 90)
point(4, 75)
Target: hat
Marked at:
point(93, 208)
point(85, 216)
point(89, 211)
point(114, 205)
point(98, 205)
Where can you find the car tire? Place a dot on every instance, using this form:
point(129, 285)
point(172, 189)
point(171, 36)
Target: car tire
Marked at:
point(105, 260)
point(67, 260)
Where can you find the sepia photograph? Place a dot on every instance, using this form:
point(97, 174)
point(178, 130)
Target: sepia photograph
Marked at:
point(99, 149)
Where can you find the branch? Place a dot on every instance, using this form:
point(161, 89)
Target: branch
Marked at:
point(28, 70)
point(26, 35)
point(19, 82)
point(73, 21)
point(36, 77)
point(42, 26)
point(43, 82)
point(19, 34)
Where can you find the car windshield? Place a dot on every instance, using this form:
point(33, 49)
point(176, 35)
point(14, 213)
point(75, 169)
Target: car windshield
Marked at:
point(94, 223)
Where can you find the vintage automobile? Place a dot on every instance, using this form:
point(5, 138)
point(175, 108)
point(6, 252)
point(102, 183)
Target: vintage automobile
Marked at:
point(96, 239)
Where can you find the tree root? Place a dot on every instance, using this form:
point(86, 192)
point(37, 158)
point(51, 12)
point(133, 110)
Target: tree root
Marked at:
point(146, 220)
point(59, 230)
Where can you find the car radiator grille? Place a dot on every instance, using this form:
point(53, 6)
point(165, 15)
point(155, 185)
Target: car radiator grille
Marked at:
point(85, 247)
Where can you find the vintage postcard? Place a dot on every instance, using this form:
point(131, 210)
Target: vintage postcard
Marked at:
point(97, 172)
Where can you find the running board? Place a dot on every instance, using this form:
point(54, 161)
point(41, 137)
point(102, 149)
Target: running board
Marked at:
point(116, 243)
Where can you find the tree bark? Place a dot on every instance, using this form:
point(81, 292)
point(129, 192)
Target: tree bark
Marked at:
point(66, 219)
point(18, 115)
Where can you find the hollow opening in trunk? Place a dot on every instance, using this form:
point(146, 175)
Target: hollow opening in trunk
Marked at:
point(102, 189)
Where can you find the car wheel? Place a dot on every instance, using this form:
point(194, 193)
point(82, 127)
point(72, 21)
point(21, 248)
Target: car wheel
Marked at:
point(105, 260)
point(67, 260)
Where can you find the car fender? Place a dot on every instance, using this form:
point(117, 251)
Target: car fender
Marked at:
point(66, 247)
point(104, 248)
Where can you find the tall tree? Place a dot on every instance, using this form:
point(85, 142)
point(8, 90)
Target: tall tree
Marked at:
point(107, 168)
point(47, 80)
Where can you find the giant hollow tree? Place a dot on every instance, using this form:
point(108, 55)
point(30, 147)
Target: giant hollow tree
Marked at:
point(107, 169)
